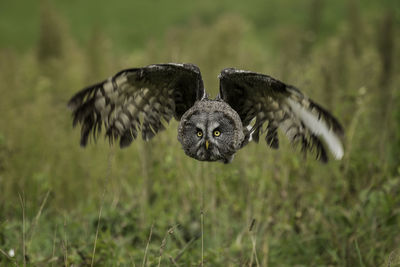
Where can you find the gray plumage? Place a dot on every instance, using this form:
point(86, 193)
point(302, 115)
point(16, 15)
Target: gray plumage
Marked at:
point(249, 104)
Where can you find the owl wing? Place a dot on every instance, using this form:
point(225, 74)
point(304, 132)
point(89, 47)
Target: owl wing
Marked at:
point(138, 99)
point(265, 100)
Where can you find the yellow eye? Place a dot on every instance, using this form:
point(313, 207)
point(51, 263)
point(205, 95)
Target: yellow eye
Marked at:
point(199, 133)
point(217, 133)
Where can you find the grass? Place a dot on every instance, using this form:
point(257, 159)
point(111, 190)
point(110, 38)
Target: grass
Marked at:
point(151, 205)
point(130, 24)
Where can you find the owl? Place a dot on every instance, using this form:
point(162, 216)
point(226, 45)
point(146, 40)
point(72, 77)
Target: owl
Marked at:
point(249, 106)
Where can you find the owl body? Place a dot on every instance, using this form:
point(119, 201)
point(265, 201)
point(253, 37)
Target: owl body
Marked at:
point(249, 105)
point(211, 131)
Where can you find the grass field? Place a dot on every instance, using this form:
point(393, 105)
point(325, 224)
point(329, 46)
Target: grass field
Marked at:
point(150, 205)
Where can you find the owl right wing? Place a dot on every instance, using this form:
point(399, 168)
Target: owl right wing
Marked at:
point(138, 99)
point(265, 100)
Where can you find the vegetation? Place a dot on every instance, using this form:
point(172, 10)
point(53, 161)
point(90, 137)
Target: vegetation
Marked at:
point(150, 205)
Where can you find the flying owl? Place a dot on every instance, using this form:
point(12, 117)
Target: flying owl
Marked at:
point(249, 105)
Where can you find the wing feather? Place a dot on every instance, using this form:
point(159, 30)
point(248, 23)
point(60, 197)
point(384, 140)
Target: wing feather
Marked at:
point(265, 100)
point(136, 100)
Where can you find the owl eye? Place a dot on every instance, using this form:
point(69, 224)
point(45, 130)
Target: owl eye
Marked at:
point(217, 133)
point(199, 133)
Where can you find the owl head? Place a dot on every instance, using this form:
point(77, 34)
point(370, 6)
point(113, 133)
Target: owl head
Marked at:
point(211, 131)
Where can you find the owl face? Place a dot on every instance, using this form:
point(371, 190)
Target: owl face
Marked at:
point(209, 134)
point(209, 137)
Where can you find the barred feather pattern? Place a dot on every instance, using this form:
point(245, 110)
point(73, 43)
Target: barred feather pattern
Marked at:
point(267, 105)
point(135, 100)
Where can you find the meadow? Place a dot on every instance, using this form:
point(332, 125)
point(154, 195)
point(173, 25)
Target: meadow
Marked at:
point(149, 204)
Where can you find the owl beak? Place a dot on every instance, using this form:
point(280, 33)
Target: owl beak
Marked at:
point(207, 144)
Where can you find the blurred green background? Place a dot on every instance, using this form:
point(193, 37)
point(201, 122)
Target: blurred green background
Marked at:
point(150, 205)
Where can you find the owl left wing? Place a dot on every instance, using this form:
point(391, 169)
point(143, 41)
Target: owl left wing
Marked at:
point(263, 99)
point(138, 99)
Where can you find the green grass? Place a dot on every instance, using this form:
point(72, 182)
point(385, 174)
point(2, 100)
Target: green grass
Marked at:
point(61, 205)
point(131, 24)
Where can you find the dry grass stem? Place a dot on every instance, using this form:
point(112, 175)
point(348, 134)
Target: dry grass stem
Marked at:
point(191, 241)
point(173, 261)
point(6, 255)
point(164, 242)
point(64, 243)
point(147, 246)
point(37, 217)
point(254, 243)
point(54, 246)
point(22, 201)
point(202, 237)
point(97, 227)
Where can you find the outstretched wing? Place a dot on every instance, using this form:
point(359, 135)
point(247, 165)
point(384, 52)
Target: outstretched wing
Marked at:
point(136, 99)
point(261, 98)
